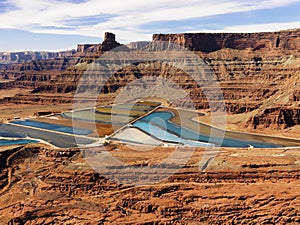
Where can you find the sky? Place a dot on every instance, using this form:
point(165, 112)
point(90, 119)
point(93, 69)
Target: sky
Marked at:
point(55, 25)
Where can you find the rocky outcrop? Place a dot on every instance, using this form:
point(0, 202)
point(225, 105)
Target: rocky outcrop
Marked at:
point(252, 80)
point(84, 47)
point(138, 45)
point(20, 57)
point(209, 42)
point(57, 186)
point(276, 118)
point(109, 43)
point(256, 72)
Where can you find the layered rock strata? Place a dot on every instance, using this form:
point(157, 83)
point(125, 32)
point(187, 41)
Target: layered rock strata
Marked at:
point(258, 74)
point(57, 186)
point(210, 42)
point(20, 57)
point(108, 43)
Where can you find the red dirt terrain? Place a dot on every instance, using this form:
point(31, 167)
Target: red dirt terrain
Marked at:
point(259, 75)
point(46, 186)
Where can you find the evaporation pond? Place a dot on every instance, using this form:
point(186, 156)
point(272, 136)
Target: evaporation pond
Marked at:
point(54, 127)
point(6, 142)
point(163, 118)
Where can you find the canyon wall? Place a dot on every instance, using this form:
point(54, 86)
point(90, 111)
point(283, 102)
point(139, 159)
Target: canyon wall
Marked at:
point(261, 82)
point(20, 57)
point(138, 45)
point(109, 42)
point(209, 42)
point(258, 73)
point(57, 186)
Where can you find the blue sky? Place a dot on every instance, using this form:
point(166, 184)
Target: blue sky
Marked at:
point(62, 24)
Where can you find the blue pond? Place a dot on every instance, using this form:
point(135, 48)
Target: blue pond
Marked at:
point(11, 135)
point(5, 142)
point(164, 135)
point(54, 127)
point(161, 119)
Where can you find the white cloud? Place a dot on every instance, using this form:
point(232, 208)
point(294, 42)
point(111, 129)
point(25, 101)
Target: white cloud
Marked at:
point(263, 27)
point(266, 27)
point(126, 18)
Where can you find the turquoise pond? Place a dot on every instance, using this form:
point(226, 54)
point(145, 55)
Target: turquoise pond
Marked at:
point(165, 136)
point(162, 120)
point(10, 135)
point(156, 124)
point(6, 142)
point(54, 127)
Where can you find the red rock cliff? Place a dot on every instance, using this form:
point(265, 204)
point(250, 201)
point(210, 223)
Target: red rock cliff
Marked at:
point(109, 42)
point(209, 42)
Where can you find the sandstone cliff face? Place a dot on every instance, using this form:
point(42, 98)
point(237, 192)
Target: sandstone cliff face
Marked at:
point(34, 73)
point(84, 47)
point(138, 45)
point(20, 57)
point(57, 186)
point(253, 80)
point(109, 42)
point(209, 42)
point(257, 72)
point(278, 118)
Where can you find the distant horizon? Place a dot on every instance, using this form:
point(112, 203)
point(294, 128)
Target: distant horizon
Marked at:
point(52, 25)
point(75, 48)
